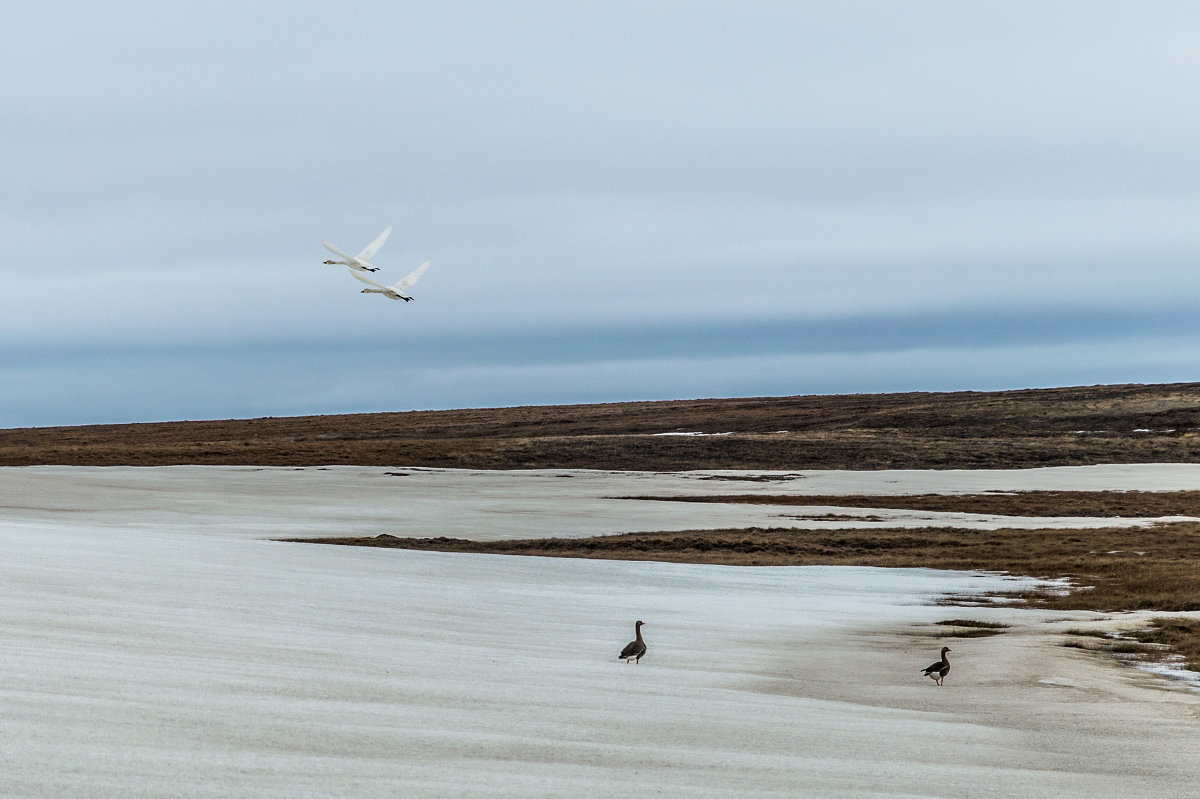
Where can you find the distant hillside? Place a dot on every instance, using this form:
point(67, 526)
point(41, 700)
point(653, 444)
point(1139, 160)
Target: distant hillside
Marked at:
point(1006, 429)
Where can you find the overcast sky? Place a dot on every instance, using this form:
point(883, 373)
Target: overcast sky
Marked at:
point(622, 200)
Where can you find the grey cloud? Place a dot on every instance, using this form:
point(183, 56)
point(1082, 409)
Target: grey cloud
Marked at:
point(598, 184)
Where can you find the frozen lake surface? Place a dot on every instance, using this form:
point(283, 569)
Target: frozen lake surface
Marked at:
point(349, 500)
point(155, 643)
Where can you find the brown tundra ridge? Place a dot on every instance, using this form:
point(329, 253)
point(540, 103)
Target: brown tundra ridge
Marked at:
point(920, 430)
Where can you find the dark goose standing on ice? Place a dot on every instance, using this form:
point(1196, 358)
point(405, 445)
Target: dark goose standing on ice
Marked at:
point(938, 671)
point(635, 649)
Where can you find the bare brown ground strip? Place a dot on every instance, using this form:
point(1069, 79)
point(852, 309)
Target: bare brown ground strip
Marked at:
point(1151, 568)
point(970, 628)
point(918, 430)
point(1023, 503)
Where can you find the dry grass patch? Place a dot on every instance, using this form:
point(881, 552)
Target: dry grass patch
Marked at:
point(1086, 633)
point(971, 628)
point(1181, 636)
point(1119, 646)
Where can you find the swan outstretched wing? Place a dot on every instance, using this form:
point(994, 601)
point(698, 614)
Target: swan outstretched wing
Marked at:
point(335, 250)
point(413, 277)
point(369, 252)
point(359, 276)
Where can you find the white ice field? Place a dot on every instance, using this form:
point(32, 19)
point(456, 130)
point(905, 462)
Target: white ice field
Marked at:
point(155, 642)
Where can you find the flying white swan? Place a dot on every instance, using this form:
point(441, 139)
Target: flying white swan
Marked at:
point(362, 261)
point(398, 290)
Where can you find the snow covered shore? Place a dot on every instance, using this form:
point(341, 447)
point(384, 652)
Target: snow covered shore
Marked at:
point(153, 642)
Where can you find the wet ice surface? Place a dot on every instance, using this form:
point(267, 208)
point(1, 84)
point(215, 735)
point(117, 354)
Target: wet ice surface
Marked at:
point(154, 643)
